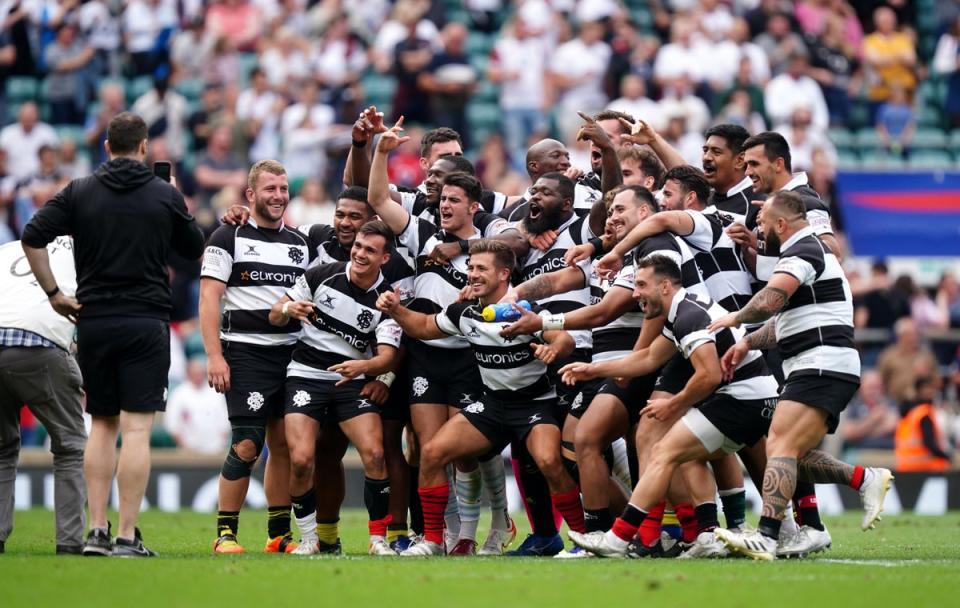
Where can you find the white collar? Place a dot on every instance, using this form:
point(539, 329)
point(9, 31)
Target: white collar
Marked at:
point(253, 223)
point(800, 179)
point(677, 298)
point(742, 185)
point(799, 234)
point(372, 287)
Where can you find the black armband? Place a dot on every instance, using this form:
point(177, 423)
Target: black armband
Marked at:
point(598, 250)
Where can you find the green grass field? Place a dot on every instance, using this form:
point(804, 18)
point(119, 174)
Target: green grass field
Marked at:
point(908, 561)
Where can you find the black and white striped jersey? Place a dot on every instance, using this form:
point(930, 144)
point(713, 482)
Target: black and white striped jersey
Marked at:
point(815, 328)
point(436, 285)
point(574, 231)
point(718, 258)
point(585, 194)
point(323, 239)
point(508, 368)
point(686, 325)
point(673, 247)
point(486, 220)
point(738, 203)
point(617, 338)
point(345, 325)
point(258, 265)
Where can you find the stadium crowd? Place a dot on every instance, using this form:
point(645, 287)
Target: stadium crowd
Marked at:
point(226, 84)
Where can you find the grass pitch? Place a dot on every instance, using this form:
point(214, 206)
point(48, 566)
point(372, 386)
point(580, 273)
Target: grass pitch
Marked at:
point(908, 562)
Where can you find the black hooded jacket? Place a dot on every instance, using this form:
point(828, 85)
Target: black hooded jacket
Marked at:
point(124, 222)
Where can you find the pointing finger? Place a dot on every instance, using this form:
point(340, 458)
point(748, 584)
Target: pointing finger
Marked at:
point(587, 119)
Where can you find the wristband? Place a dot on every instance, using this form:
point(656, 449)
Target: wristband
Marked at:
point(464, 246)
point(53, 292)
point(285, 311)
point(598, 251)
point(551, 321)
point(358, 144)
point(387, 378)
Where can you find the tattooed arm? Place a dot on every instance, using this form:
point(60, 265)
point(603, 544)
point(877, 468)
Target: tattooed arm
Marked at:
point(764, 338)
point(551, 283)
point(765, 304)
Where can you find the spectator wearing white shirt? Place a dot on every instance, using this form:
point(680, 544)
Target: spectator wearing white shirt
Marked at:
point(805, 139)
point(305, 127)
point(518, 62)
point(634, 101)
point(715, 18)
point(23, 139)
point(729, 52)
point(678, 99)
point(311, 206)
point(286, 63)
point(196, 414)
point(686, 141)
point(794, 89)
point(260, 108)
point(780, 42)
point(577, 70)
point(165, 111)
point(340, 58)
point(143, 23)
point(687, 54)
point(406, 14)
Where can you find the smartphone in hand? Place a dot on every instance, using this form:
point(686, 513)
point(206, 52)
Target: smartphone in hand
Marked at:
point(163, 169)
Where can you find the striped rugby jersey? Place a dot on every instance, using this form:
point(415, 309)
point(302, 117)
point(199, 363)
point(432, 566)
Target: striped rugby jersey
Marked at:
point(586, 192)
point(815, 329)
point(345, 325)
point(718, 258)
point(258, 265)
point(686, 326)
point(738, 203)
point(414, 202)
point(508, 368)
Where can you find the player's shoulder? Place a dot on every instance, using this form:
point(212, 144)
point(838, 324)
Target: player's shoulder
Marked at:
point(323, 272)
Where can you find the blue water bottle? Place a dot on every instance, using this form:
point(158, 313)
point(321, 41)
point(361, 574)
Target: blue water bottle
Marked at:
point(503, 311)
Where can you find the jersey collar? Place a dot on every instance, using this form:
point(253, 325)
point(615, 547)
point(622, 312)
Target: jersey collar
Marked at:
point(253, 223)
point(745, 183)
point(800, 179)
point(372, 287)
point(677, 298)
point(799, 234)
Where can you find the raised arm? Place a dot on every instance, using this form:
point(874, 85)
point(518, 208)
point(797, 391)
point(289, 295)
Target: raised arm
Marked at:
point(378, 194)
point(414, 324)
point(367, 126)
point(642, 134)
point(764, 304)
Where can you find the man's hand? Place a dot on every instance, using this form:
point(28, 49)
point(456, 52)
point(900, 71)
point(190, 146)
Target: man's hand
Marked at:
point(608, 266)
point(368, 125)
point(236, 215)
point(544, 240)
point(65, 306)
point(300, 309)
point(466, 293)
point(445, 252)
point(376, 391)
point(391, 138)
point(573, 173)
point(388, 302)
point(732, 358)
point(593, 132)
point(572, 373)
point(349, 369)
point(578, 253)
point(528, 323)
point(742, 236)
point(641, 133)
point(544, 352)
point(728, 320)
point(660, 409)
point(218, 374)
point(510, 297)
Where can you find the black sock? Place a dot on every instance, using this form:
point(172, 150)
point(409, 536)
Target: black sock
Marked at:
point(538, 500)
point(597, 519)
point(305, 504)
point(633, 515)
point(706, 517)
point(228, 522)
point(735, 509)
point(278, 520)
point(416, 511)
point(805, 505)
point(376, 497)
point(769, 527)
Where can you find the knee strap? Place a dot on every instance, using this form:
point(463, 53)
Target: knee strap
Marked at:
point(234, 467)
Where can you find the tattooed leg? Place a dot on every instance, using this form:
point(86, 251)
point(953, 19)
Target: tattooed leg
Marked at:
point(779, 481)
point(820, 467)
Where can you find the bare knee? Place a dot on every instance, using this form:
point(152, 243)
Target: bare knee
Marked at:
point(301, 464)
point(246, 450)
point(372, 457)
point(550, 464)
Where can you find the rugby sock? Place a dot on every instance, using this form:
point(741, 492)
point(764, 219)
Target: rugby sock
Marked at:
point(597, 519)
point(769, 527)
point(395, 531)
point(469, 487)
point(416, 512)
point(305, 512)
point(451, 514)
point(734, 502)
point(278, 520)
point(544, 520)
point(650, 528)
point(688, 521)
point(434, 501)
point(859, 476)
point(376, 497)
point(228, 522)
point(625, 527)
point(671, 525)
point(328, 531)
point(495, 483)
point(569, 505)
point(805, 505)
point(706, 517)
point(621, 464)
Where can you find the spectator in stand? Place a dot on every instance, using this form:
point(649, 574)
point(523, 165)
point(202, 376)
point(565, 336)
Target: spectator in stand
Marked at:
point(223, 63)
point(901, 363)
point(36, 190)
point(925, 312)
point(23, 139)
point(890, 58)
point(743, 81)
point(8, 57)
point(196, 415)
point(879, 306)
point(218, 168)
point(686, 54)
point(339, 61)
point(239, 21)
point(202, 122)
point(804, 139)
point(679, 99)
point(259, 108)
point(814, 17)
point(305, 126)
point(165, 112)
point(896, 123)
point(834, 66)
point(101, 29)
point(948, 298)
point(72, 163)
point(780, 42)
point(730, 54)
point(576, 70)
point(112, 102)
point(518, 63)
point(406, 23)
point(493, 162)
point(66, 59)
point(795, 89)
point(450, 80)
point(920, 444)
point(191, 50)
point(286, 62)
point(688, 142)
point(946, 64)
point(311, 205)
point(411, 56)
point(871, 418)
point(636, 103)
point(147, 28)
point(740, 111)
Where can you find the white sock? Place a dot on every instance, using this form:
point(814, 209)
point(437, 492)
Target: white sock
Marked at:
point(468, 502)
point(495, 484)
point(789, 525)
point(615, 541)
point(621, 464)
point(451, 517)
point(308, 527)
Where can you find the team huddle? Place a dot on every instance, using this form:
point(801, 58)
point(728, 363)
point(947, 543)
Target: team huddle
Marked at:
point(637, 334)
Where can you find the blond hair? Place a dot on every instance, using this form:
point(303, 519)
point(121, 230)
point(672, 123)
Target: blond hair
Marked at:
point(264, 166)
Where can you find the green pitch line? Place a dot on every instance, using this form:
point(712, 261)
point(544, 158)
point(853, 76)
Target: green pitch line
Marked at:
point(908, 561)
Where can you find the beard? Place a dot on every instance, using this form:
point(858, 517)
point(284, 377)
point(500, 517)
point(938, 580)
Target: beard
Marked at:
point(550, 219)
point(771, 244)
point(653, 309)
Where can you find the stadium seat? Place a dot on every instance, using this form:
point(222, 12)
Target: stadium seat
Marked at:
point(248, 61)
point(484, 116)
point(841, 137)
point(875, 160)
point(955, 139)
point(930, 159)
point(480, 63)
point(74, 132)
point(379, 89)
point(929, 116)
point(867, 137)
point(487, 92)
point(21, 89)
point(847, 159)
point(929, 138)
point(191, 88)
point(136, 87)
point(479, 43)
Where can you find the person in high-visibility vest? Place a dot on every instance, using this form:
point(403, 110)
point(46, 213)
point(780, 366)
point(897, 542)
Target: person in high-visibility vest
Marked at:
point(918, 443)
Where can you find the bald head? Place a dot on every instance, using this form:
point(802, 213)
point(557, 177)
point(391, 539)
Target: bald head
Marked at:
point(787, 205)
point(547, 156)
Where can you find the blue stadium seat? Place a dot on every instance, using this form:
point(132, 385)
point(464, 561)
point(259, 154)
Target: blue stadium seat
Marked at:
point(21, 89)
point(878, 159)
point(379, 89)
point(848, 159)
point(74, 132)
point(867, 137)
point(136, 87)
point(191, 88)
point(929, 138)
point(484, 116)
point(930, 159)
point(841, 137)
